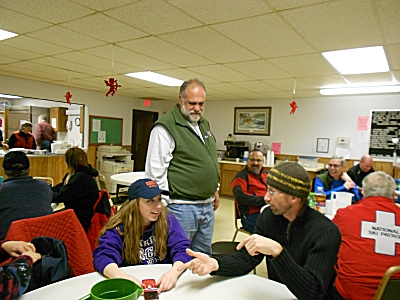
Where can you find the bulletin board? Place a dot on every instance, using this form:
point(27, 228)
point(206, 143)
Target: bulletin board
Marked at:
point(385, 125)
point(105, 130)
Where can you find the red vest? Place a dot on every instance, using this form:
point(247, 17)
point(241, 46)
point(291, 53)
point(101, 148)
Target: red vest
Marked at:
point(22, 142)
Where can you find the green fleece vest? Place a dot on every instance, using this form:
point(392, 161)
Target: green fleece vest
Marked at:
point(193, 173)
point(326, 180)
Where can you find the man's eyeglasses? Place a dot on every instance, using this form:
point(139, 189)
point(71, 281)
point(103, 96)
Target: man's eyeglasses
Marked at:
point(334, 166)
point(273, 193)
point(256, 160)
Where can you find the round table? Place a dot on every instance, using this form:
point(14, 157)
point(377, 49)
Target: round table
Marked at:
point(189, 286)
point(127, 178)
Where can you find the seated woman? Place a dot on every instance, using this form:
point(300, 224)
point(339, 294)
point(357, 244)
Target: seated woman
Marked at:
point(15, 276)
point(22, 138)
point(142, 232)
point(78, 189)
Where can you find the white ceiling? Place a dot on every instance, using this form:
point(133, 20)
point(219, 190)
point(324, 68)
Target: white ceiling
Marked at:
point(241, 49)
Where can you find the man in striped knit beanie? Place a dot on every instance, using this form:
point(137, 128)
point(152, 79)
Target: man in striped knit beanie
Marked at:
point(300, 244)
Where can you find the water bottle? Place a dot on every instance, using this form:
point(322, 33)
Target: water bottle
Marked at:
point(320, 199)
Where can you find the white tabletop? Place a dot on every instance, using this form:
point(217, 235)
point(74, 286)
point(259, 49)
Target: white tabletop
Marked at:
point(189, 286)
point(127, 178)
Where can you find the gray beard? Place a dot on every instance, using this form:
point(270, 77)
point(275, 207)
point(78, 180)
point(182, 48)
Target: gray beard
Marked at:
point(192, 119)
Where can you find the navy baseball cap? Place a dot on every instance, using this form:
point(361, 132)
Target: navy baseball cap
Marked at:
point(145, 188)
point(15, 161)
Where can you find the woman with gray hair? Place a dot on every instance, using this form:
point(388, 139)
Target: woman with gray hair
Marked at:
point(22, 138)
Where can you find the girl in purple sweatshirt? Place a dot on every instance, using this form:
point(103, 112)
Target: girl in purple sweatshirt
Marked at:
point(142, 232)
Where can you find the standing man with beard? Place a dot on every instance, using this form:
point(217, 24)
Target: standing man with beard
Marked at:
point(336, 180)
point(249, 187)
point(182, 158)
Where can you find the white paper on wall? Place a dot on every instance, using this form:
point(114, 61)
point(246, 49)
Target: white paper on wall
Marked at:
point(101, 137)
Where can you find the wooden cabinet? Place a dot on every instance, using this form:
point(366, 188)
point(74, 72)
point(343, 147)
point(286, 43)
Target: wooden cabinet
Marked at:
point(58, 118)
point(228, 172)
point(81, 118)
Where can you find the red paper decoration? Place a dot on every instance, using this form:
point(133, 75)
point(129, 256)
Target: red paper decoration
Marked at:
point(68, 97)
point(294, 106)
point(113, 86)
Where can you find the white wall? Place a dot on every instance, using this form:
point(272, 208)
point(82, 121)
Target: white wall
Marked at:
point(323, 117)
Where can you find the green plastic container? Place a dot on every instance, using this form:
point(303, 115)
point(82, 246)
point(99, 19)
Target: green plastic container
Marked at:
point(116, 289)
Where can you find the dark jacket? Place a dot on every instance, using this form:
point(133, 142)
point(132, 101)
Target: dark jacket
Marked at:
point(80, 194)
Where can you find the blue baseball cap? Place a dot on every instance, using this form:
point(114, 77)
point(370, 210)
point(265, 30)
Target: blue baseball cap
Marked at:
point(145, 188)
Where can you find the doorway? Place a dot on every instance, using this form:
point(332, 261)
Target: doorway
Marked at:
point(142, 121)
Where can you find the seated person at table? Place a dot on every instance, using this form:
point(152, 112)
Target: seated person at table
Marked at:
point(15, 276)
point(21, 196)
point(4, 146)
point(360, 171)
point(369, 238)
point(22, 138)
point(78, 189)
point(249, 187)
point(300, 244)
point(142, 232)
point(336, 180)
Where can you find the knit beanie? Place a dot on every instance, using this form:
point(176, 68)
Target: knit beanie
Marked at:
point(290, 178)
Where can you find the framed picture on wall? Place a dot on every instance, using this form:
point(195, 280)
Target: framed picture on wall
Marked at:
point(322, 145)
point(252, 120)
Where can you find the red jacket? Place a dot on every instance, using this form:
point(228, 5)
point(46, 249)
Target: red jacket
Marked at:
point(19, 139)
point(249, 191)
point(370, 245)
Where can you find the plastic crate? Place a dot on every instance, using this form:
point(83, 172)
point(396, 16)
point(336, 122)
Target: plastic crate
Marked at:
point(308, 161)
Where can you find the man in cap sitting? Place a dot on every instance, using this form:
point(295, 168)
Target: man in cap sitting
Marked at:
point(21, 196)
point(300, 244)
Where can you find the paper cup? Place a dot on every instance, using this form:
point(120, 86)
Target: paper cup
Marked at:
point(117, 289)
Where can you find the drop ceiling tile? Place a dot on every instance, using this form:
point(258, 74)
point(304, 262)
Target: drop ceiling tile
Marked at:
point(211, 11)
point(396, 75)
point(86, 59)
point(227, 88)
point(104, 28)
point(288, 4)
point(29, 65)
point(258, 69)
point(65, 37)
point(337, 25)
point(5, 70)
point(34, 45)
point(388, 11)
point(18, 23)
point(304, 65)
point(249, 96)
point(211, 44)
point(67, 65)
point(288, 84)
point(153, 16)
point(277, 95)
point(370, 78)
point(267, 36)
point(30, 73)
point(18, 54)
point(54, 11)
point(185, 74)
point(103, 5)
point(220, 72)
point(255, 86)
point(162, 50)
point(319, 82)
point(6, 60)
point(393, 56)
point(138, 61)
point(307, 94)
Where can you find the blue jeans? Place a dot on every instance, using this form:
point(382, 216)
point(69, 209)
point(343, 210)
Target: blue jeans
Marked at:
point(197, 221)
point(249, 221)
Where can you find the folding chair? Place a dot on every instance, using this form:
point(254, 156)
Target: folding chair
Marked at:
point(389, 288)
point(237, 217)
point(122, 191)
point(49, 180)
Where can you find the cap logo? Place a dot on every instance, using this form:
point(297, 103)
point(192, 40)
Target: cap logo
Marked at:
point(151, 184)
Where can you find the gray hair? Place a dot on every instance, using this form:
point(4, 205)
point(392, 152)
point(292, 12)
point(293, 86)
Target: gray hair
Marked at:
point(342, 159)
point(188, 83)
point(378, 184)
point(26, 125)
point(43, 117)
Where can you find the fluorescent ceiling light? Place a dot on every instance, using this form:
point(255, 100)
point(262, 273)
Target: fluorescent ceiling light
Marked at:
point(353, 90)
point(156, 78)
point(358, 61)
point(6, 34)
point(9, 96)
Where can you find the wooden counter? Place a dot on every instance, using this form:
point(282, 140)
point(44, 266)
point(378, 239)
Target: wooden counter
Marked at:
point(45, 166)
point(229, 169)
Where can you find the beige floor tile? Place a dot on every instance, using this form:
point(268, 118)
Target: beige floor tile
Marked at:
point(224, 228)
